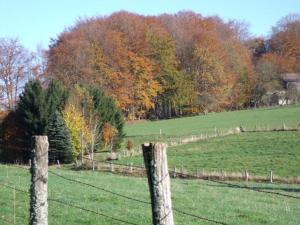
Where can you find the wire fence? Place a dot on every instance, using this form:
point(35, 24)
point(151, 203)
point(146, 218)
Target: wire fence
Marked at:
point(228, 184)
point(112, 193)
point(72, 205)
point(142, 171)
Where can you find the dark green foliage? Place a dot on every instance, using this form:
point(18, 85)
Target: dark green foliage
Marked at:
point(33, 109)
point(56, 97)
point(60, 146)
point(108, 112)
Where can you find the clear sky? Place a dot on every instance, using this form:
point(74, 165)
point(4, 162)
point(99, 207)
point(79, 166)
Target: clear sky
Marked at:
point(34, 22)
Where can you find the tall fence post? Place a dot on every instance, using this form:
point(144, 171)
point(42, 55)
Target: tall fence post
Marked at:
point(155, 159)
point(271, 176)
point(39, 181)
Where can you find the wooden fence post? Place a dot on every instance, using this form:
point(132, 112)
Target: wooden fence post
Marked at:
point(155, 159)
point(58, 164)
point(130, 168)
point(271, 176)
point(175, 171)
point(246, 175)
point(39, 181)
point(112, 169)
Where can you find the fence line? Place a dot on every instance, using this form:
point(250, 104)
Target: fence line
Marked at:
point(99, 188)
point(73, 206)
point(125, 196)
point(91, 211)
point(229, 185)
point(134, 199)
point(221, 132)
point(223, 175)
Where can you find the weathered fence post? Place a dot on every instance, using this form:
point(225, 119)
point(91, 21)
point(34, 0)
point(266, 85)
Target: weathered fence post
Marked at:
point(271, 176)
point(112, 169)
point(155, 158)
point(39, 181)
point(58, 164)
point(246, 175)
point(130, 168)
point(174, 174)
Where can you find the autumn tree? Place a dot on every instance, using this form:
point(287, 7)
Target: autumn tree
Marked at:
point(15, 68)
point(285, 42)
point(78, 129)
point(145, 88)
point(159, 66)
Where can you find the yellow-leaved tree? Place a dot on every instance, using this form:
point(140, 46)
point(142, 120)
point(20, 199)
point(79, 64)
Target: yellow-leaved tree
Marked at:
point(76, 124)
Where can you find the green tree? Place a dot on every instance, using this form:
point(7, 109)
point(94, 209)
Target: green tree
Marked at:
point(107, 112)
point(56, 97)
point(60, 146)
point(33, 110)
point(37, 108)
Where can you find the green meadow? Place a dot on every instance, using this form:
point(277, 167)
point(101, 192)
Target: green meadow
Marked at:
point(203, 198)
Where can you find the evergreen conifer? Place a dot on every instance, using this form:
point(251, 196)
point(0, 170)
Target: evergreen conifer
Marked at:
point(60, 146)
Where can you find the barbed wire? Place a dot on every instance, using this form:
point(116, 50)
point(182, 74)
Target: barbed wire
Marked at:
point(73, 205)
point(90, 210)
point(99, 188)
point(114, 163)
point(175, 209)
point(230, 185)
point(134, 199)
point(129, 198)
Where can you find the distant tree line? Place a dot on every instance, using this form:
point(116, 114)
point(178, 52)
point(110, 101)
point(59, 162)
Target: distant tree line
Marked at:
point(173, 65)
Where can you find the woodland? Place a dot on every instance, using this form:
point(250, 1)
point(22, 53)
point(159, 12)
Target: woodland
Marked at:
point(103, 71)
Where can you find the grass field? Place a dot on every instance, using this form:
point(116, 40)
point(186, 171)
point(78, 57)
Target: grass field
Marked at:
point(205, 124)
point(257, 152)
point(203, 198)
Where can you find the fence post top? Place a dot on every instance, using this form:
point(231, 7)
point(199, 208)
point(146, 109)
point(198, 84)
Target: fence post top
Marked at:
point(151, 145)
point(43, 137)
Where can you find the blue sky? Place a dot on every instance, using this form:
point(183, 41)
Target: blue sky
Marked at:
point(34, 22)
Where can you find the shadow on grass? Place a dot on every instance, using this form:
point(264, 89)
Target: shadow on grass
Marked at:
point(256, 188)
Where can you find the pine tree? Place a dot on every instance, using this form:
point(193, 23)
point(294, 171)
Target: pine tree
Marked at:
point(33, 110)
point(56, 97)
point(60, 146)
point(108, 112)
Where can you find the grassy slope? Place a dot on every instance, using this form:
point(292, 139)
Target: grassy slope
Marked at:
point(214, 201)
point(265, 117)
point(255, 152)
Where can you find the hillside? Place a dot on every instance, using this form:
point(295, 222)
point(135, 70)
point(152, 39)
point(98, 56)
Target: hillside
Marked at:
point(263, 118)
